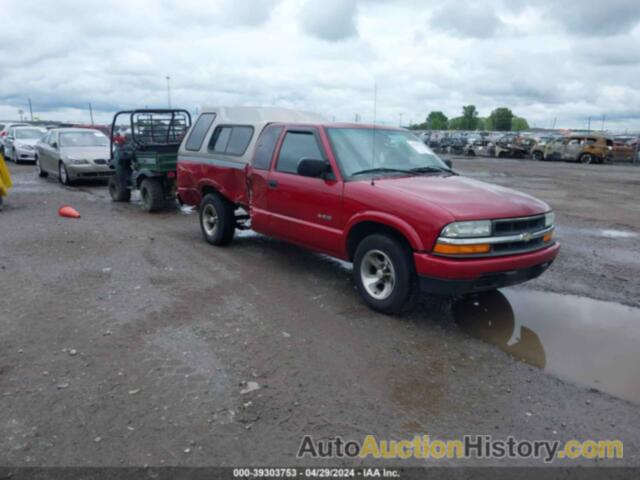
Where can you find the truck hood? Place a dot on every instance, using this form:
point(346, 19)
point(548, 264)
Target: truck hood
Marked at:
point(85, 153)
point(465, 198)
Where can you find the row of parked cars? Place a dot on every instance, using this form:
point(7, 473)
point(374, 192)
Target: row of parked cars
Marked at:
point(374, 196)
point(67, 153)
point(577, 147)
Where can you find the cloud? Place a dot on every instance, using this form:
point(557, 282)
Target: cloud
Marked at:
point(596, 17)
point(331, 20)
point(466, 19)
point(323, 56)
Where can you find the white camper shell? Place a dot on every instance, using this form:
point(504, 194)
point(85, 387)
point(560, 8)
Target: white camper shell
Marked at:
point(226, 136)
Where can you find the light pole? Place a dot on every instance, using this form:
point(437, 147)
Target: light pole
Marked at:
point(169, 91)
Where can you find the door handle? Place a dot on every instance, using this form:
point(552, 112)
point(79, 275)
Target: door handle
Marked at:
point(273, 183)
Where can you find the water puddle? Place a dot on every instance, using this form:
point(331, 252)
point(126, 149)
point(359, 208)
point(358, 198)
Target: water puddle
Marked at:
point(578, 339)
point(617, 234)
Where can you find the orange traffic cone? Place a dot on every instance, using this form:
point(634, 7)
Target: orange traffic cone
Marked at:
point(67, 211)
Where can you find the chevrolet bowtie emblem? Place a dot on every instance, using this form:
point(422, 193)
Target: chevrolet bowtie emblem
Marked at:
point(526, 237)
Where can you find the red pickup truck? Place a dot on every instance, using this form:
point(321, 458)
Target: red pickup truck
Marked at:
point(374, 196)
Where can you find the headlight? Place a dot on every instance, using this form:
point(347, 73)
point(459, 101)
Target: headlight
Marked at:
point(480, 228)
point(78, 161)
point(549, 219)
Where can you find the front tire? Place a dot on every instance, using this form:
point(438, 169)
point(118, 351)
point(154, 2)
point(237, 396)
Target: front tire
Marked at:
point(41, 172)
point(586, 158)
point(63, 175)
point(152, 194)
point(537, 156)
point(14, 157)
point(384, 273)
point(118, 190)
point(217, 220)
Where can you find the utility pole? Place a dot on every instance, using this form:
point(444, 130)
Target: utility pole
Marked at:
point(169, 91)
point(91, 113)
point(30, 109)
point(20, 112)
point(589, 125)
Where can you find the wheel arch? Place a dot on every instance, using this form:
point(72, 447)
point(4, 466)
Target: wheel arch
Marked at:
point(363, 227)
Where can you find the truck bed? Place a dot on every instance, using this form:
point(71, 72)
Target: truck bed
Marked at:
point(194, 175)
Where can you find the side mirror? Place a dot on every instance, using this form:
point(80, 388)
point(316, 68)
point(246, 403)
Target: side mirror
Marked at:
point(311, 167)
point(54, 145)
point(448, 163)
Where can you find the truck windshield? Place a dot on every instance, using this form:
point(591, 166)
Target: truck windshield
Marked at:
point(394, 152)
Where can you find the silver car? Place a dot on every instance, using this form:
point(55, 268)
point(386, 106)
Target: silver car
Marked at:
point(72, 154)
point(4, 130)
point(20, 143)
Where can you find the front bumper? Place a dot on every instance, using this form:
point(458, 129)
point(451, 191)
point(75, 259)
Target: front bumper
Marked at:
point(24, 155)
point(88, 171)
point(448, 276)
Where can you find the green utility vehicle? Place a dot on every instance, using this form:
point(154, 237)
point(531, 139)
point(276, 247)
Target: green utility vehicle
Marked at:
point(144, 155)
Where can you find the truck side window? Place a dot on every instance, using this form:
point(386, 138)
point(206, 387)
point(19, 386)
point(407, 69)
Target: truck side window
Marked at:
point(231, 139)
point(265, 147)
point(198, 131)
point(295, 147)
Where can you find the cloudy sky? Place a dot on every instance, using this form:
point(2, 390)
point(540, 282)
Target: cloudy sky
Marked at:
point(544, 59)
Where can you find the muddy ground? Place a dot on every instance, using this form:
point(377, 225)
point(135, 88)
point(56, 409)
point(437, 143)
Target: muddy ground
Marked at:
point(125, 339)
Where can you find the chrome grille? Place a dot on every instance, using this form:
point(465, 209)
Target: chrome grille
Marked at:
point(512, 226)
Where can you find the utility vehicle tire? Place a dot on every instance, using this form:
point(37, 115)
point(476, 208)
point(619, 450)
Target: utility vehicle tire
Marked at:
point(14, 157)
point(537, 156)
point(117, 189)
point(41, 173)
point(63, 174)
point(586, 158)
point(152, 194)
point(384, 273)
point(471, 153)
point(217, 220)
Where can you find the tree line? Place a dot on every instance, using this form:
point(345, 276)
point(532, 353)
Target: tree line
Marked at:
point(501, 119)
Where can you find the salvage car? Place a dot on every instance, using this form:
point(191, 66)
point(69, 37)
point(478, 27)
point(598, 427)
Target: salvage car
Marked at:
point(510, 146)
point(481, 148)
point(589, 148)
point(72, 154)
point(20, 143)
point(374, 196)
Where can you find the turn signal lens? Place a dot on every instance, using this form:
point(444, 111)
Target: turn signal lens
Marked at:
point(548, 236)
point(447, 249)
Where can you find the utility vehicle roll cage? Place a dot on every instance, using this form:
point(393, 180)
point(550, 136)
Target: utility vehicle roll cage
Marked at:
point(168, 128)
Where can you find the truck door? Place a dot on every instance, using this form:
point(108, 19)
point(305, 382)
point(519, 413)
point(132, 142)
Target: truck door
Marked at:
point(258, 175)
point(304, 210)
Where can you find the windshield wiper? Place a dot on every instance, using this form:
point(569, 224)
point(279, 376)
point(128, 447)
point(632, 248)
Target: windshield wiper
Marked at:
point(385, 170)
point(429, 169)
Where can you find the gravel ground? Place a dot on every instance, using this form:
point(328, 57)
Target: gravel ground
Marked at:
point(125, 339)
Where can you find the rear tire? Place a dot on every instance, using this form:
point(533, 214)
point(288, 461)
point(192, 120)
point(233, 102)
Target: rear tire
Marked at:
point(217, 220)
point(384, 274)
point(152, 194)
